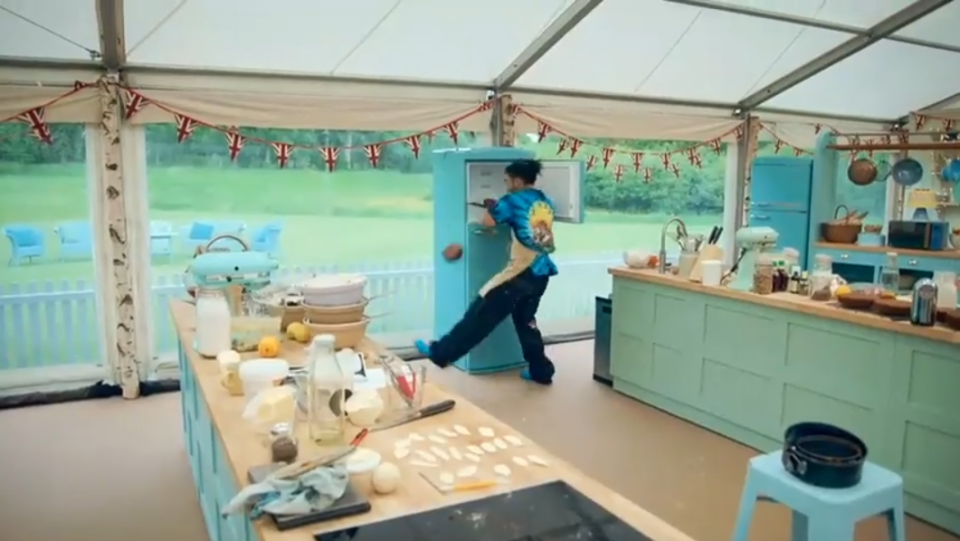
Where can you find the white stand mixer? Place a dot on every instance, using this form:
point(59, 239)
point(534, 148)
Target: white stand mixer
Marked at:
point(752, 241)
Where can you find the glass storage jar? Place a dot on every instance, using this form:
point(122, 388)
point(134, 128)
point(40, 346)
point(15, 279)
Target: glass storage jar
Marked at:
point(763, 275)
point(821, 278)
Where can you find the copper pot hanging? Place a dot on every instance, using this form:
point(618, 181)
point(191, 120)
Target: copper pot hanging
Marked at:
point(862, 171)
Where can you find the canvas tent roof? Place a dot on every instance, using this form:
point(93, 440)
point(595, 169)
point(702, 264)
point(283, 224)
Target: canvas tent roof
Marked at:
point(890, 57)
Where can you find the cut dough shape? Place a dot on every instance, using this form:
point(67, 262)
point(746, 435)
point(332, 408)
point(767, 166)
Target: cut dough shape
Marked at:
point(473, 457)
point(402, 443)
point(537, 460)
point(440, 453)
point(455, 454)
point(475, 449)
point(502, 470)
point(513, 440)
point(486, 432)
point(401, 452)
point(426, 456)
point(447, 478)
point(415, 437)
point(520, 461)
point(462, 430)
point(467, 471)
point(422, 464)
point(500, 443)
point(447, 433)
point(488, 447)
point(437, 439)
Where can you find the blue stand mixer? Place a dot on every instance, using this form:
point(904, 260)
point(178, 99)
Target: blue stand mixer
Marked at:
point(220, 268)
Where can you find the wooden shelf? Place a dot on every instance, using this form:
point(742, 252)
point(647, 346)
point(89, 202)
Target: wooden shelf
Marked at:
point(943, 254)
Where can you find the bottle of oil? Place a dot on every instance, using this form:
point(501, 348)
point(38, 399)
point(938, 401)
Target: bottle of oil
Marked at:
point(890, 274)
point(327, 390)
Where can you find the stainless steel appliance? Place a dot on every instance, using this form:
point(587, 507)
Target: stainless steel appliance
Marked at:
point(603, 325)
point(923, 308)
point(916, 235)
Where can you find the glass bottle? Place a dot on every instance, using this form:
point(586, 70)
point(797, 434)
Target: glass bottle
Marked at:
point(821, 278)
point(213, 323)
point(890, 274)
point(328, 389)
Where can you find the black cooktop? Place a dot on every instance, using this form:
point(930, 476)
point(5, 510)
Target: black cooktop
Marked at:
point(550, 512)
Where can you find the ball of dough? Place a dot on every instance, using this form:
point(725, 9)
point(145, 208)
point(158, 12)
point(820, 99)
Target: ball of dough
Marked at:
point(453, 252)
point(364, 408)
point(386, 478)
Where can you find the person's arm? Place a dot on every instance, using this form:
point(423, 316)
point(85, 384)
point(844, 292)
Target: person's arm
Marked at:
point(498, 212)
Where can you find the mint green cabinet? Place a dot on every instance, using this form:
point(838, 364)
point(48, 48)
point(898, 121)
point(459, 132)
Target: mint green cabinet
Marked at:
point(748, 371)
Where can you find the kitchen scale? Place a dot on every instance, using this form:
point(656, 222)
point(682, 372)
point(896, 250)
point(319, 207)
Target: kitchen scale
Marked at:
point(549, 512)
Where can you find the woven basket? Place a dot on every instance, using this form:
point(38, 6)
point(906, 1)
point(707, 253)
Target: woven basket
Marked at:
point(840, 233)
point(347, 335)
point(348, 313)
point(951, 318)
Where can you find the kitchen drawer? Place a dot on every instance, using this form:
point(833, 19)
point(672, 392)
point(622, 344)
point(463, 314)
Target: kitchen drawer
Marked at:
point(851, 257)
point(928, 263)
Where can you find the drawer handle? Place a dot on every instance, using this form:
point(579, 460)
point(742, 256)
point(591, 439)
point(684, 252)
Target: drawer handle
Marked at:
point(912, 262)
point(844, 256)
point(758, 217)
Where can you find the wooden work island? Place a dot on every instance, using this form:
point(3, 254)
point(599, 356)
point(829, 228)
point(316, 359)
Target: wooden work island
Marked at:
point(748, 366)
point(222, 448)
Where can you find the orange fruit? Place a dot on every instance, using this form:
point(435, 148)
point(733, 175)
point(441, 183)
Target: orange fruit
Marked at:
point(269, 347)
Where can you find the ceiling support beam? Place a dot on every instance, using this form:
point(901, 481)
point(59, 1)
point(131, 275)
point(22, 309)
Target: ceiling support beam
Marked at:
point(113, 47)
point(563, 24)
point(808, 22)
point(875, 33)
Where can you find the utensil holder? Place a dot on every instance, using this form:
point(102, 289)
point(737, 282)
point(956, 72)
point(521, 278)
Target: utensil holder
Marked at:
point(686, 263)
point(707, 253)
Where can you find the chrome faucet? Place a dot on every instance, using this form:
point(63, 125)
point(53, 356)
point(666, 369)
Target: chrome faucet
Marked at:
point(681, 232)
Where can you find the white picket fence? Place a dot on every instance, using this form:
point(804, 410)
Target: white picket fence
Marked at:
point(55, 324)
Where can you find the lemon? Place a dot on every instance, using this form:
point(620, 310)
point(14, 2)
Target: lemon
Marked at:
point(299, 332)
point(843, 290)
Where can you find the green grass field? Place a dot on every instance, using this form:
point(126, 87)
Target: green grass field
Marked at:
point(344, 217)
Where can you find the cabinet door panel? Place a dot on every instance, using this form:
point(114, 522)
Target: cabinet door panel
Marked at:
point(792, 227)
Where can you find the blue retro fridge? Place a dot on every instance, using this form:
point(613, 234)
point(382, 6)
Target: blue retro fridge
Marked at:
point(462, 176)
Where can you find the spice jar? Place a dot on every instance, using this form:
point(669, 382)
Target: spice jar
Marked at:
point(283, 444)
point(763, 276)
point(821, 278)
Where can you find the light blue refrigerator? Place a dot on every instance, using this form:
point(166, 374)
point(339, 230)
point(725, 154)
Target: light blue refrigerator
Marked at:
point(780, 191)
point(461, 176)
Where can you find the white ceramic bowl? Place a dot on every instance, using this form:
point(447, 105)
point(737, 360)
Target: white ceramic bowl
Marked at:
point(334, 289)
point(637, 259)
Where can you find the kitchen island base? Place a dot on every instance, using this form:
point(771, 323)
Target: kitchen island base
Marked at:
point(747, 369)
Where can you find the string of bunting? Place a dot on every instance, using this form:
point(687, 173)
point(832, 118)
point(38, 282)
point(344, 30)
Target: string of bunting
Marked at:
point(921, 120)
point(135, 101)
point(573, 147)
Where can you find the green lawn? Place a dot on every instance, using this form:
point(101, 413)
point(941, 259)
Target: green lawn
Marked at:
point(372, 217)
point(345, 217)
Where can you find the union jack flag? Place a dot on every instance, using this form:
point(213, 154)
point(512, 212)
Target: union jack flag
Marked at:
point(562, 146)
point(575, 145)
point(542, 130)
point(591, 162)
point(36, 119)
point(618, 172)
point(283, 150)
point(675, 169)
point(373, 152)
point(235, 143)
point(414, 143)
point(607, 156)
point(637, 161)
point(134, 103)
point(185, 127)
point(665, 158)
point(716, 145)
point(330, 156)
point(453, 130)
point(647, 174)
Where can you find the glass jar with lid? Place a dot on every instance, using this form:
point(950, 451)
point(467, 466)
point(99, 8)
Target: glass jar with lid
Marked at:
point(763, 272)
point(821, 278)
point(213, 322)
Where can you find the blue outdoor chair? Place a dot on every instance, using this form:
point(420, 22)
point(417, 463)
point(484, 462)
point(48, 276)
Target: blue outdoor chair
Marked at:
point(76, 240)
point(26, 242)
point(195, 235)
point(267, 239)
point(161, 238)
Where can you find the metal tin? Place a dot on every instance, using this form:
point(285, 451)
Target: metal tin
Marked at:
point(923, 308)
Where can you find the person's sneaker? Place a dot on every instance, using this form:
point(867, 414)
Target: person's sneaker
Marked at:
point(525, 375)
point(423, 348)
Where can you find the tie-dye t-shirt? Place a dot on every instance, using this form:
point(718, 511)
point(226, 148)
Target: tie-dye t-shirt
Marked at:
point(529, 213)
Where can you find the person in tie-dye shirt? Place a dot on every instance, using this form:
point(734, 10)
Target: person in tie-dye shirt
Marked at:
point(516, 291)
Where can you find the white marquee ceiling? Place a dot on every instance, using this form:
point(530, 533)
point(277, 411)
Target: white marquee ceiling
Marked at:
point(641, 48)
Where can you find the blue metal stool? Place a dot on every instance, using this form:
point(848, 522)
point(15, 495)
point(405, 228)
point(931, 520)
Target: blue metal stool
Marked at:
point(822, 514)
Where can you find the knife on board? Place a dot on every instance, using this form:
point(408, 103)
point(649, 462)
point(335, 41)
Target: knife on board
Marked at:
point(424, 412)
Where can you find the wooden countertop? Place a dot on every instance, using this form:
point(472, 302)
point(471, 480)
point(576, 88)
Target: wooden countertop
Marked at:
point(941, 254)
point(244, 449)
point(797, 303)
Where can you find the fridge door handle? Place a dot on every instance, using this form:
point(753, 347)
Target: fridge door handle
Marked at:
point(759, 217)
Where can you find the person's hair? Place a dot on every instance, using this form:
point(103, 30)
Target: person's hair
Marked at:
point(525, 170)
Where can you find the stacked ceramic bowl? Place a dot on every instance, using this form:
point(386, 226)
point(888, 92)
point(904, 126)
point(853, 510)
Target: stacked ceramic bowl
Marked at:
point(334, 304)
